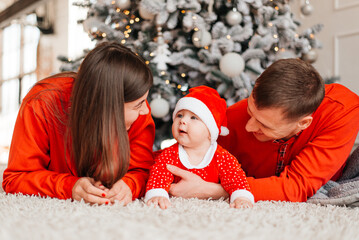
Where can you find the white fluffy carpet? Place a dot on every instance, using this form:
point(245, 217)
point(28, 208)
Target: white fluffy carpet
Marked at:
point(31, 217)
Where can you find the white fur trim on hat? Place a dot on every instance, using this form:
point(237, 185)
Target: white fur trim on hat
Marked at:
point(201, 110)
point(224, 131)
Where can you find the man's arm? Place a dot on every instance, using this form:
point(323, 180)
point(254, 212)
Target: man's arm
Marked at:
point(192, 185)
point(313, 166)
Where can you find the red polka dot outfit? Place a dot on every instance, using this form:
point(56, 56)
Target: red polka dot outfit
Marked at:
point(223, 168)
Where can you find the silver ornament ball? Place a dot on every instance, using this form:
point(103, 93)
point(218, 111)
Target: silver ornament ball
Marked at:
point(232, 64)
point(307, 9)
point(145, 14)
point(201, 38)
point(123, 4)
point(310, 56)
point(159, 107)
point(233, 17)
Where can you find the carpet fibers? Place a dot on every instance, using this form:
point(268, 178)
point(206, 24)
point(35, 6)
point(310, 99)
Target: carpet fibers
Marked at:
point(32, 217)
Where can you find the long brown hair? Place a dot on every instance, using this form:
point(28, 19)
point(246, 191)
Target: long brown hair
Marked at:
point(290, 84)
point(109, 76)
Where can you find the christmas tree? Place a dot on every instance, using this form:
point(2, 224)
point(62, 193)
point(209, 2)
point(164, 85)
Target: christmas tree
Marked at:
point(224, 44)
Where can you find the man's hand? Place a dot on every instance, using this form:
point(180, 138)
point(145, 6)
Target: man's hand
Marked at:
point(120, 192)
point(85, 189)
point(241, 203)
point(163, 202)
point(192, 185)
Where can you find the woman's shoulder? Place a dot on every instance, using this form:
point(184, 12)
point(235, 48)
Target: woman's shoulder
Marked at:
point(49, 95)
point(61, 83)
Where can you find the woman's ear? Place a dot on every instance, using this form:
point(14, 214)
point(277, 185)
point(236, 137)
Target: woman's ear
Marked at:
point(305, 122)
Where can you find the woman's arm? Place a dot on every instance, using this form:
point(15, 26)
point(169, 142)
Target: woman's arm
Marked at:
point(29, 158)
point(141, 136)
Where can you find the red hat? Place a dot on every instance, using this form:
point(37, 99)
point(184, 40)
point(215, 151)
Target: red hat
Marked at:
point(206, 103)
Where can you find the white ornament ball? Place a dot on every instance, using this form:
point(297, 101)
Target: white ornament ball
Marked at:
point(231, 64)
point(145, 14)
point(201, 38)
point(233, 18)
point(310, 56)
point(307, 9)
point(123, 4)
point(159, 107)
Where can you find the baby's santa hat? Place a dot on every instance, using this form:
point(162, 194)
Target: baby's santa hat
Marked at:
point(206, 103)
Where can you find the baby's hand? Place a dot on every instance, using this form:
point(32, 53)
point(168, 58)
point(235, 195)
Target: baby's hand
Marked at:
point(241, 203)
point(163, 202)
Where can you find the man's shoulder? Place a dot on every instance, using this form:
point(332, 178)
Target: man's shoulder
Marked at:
point(242, 104)
point(339, 105)
point(237, 109)
point(338, 94)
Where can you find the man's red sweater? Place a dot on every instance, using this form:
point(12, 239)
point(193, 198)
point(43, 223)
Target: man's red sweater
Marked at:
point(315, 156)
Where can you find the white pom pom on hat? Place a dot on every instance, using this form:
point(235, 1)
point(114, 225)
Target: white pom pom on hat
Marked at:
point(206, 103)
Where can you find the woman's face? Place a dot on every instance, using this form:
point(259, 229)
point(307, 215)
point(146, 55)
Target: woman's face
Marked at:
point(134, 109)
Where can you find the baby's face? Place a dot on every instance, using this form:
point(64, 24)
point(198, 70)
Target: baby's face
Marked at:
point(189, 130)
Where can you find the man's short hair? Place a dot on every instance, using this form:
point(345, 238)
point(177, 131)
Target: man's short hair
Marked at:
point(290, 84)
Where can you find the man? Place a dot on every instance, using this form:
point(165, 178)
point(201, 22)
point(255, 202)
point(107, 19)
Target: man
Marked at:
point(291, 136)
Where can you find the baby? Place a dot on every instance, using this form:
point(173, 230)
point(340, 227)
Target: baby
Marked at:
point(198, 119)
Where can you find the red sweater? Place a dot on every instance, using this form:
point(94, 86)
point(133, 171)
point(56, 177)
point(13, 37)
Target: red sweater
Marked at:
point(317, 155)
point(37, 163)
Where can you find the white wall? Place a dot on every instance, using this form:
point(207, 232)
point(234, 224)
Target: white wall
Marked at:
point(340, 36)
point(69, 38)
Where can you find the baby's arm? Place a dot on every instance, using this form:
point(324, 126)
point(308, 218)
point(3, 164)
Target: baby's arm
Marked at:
point(234, 181)
point(241, 202)
point(159, 181)
point(163, 202)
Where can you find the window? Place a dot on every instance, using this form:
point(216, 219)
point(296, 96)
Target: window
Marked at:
point(18, 60)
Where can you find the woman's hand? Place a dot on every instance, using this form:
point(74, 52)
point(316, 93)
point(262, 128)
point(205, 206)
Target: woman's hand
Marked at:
point(192, 185)
point(85, 188)
point(163, 202)
point(241, 203)
point(120, 192)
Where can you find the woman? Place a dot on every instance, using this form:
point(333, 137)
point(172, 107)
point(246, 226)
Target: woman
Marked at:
point(87, 135)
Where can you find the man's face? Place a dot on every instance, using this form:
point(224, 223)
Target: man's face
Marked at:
point(270, 124)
